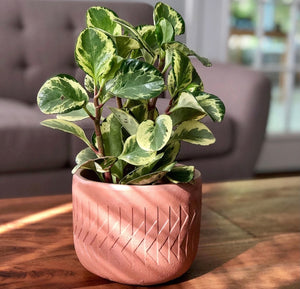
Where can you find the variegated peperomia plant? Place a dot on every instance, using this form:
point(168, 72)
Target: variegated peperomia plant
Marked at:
point(134, 144)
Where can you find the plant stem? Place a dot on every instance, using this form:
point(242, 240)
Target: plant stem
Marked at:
point(97, 119)
point(108, 178)
point(152, 102)
point(119, 102)
point(88, 113)
point(169, 106)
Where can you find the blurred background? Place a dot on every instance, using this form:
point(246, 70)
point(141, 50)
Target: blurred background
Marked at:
point(263, 35)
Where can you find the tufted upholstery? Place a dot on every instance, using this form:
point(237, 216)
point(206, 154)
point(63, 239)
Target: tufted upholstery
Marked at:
point(37, 39)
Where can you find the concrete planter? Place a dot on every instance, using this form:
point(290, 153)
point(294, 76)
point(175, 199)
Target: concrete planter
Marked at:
point(130, 234)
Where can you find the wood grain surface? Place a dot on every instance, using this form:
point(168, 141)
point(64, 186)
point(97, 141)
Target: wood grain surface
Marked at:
point(250, 238)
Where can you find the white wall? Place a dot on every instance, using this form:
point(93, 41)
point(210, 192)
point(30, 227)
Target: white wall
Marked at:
point(208, 27)
point(206, 34)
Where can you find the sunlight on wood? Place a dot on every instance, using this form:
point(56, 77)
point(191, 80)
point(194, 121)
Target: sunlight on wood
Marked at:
point(19, 223)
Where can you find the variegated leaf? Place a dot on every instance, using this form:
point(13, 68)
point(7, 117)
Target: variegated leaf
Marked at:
point(82, 157)
point(153, 136)
point(194, 132)
point(66, 126)
point(172, 83)
point(162, 10)
point(94, 52)
point(181, 74)
point(103, 18)
point(89, 83)
point(164, 31)
point(85, 155)
point(99, 165)
point(133, 154)
point(136, 80)
point(148, 33)
point(181, 174)
point(79, 114)
point(187, 100)
point(114, 67)
point(212, 105)
point(126, 120)
point(125, 45)
point(61, 94)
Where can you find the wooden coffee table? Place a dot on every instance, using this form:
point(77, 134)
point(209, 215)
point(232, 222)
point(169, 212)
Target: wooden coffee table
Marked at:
point(250, 238)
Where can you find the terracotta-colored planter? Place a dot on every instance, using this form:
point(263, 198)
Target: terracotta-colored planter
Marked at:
point(136, 234)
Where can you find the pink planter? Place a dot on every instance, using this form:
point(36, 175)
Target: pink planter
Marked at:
point(136, 234)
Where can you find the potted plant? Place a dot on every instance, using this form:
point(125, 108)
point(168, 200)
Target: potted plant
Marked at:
point(136, 213)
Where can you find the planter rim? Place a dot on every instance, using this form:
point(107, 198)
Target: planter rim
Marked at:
point(197, 176)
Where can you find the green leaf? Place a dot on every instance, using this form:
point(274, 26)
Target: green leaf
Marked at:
point(94, 52)
point(79, 114)
point(136, 80)
point(153, 136)
point(164, 31)
point(112, 136)
point(125, 45)
point(162, 10)
point(184, 114)
point(113, 143)
point(186, 51)
point(61, 94)
point(135, 34)
point(181, 174)
point(103, 18)
point(181, 74)
point(194, 132)
point(146, 179)
point(66, 126)
point(212, 105)
point(140, 112)
point(126, 120)
point(203, 60)
point(170, 152)
point(141, 170)
point(133, 154)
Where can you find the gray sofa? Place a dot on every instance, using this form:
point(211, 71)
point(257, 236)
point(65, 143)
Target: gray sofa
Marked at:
point(37, 41)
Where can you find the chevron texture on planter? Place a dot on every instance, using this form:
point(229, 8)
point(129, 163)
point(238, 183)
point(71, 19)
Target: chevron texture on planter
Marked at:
point(136, 234)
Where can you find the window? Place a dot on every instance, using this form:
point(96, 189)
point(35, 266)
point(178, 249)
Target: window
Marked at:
point(265, 34)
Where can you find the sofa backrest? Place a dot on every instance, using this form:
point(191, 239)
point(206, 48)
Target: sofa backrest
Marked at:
point(37, 39)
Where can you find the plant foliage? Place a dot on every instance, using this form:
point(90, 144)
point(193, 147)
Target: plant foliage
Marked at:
point(134, 144)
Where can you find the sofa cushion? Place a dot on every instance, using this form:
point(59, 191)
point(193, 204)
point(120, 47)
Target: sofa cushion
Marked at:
point(38, 37)
point(25, 144)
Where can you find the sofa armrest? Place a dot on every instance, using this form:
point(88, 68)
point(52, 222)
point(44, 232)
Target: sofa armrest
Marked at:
point(246, 94)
